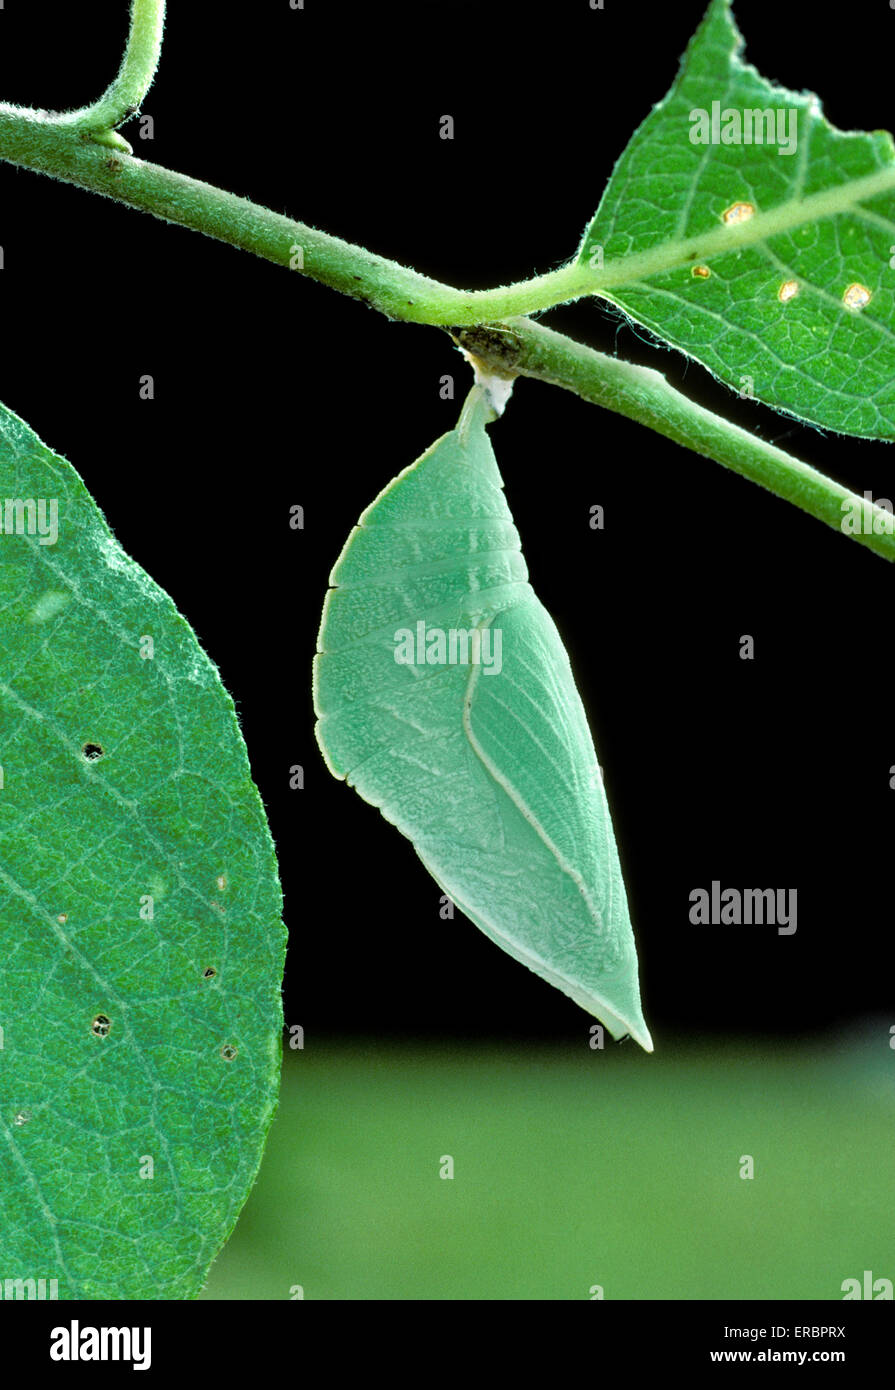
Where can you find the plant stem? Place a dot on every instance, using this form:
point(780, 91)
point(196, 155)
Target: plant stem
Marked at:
point(522, 348)
point(123, 97)
point(37, 140)
point(53, 145)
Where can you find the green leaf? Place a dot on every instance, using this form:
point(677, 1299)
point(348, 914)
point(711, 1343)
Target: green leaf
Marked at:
point(823, 222)
point(142, 947)
point(482, 756)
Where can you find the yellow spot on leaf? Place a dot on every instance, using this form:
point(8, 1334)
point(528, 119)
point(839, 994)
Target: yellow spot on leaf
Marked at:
point(221, 881)
point(788, 290)
point(738, 212)
point(856, 297)
point(700, 272)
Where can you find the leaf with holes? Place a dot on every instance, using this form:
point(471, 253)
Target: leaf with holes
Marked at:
point(444, 694)
point(744, 229)
point(142, 945)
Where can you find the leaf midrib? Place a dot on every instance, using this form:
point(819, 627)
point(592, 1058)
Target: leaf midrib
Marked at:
point(671, 255)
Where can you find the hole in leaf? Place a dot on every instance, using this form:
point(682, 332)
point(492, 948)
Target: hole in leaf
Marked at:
point(856, 297)
point(228, 1052)
point(101, 1025)
point(92, 751)
point(738, 212)
point(209, 972)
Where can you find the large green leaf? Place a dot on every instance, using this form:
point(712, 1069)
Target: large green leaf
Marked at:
point(822, 225)
point(486, 764)
point(141, 946)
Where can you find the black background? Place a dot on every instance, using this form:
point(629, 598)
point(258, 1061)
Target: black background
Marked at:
point(272, 390)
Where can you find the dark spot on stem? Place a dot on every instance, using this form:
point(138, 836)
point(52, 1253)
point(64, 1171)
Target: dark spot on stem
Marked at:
point(498, 348)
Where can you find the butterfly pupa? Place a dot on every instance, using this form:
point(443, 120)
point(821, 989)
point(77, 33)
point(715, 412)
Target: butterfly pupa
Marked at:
point(444, 696)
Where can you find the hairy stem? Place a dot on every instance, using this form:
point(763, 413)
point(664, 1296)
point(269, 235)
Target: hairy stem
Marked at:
point(123, 97)
point(39, 141)
point(522, 348)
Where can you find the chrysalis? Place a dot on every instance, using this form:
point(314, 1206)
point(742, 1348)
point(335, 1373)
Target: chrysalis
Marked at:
point(444, 695)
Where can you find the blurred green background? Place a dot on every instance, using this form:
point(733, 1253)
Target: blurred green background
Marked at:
point(570, 1170)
